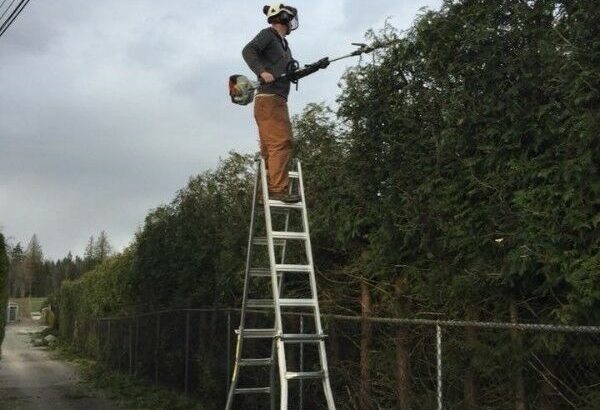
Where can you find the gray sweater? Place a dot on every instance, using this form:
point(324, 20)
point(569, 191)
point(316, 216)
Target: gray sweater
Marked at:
point(269, 52)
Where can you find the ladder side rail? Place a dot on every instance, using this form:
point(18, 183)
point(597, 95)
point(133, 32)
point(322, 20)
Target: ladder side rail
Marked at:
point(313, 284)
point(309, 257)
point(280, 289)
point(282, 259)
point(249, 252)
point(286, 225)
point(275, 289)
point(283, 253)
point(272, 374)
point(240, 336)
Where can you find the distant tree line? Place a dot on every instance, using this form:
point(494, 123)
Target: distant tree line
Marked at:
point(30, 274)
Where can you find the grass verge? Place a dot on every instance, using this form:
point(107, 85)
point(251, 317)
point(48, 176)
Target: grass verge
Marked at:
point(129, 392)
point(28, 305)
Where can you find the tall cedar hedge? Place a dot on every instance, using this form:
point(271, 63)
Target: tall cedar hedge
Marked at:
point(459, 175)
point(462, 163)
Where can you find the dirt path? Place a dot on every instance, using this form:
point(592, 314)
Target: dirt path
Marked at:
point(31, 380)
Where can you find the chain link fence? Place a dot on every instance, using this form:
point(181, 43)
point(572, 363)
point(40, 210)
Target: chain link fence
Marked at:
point(375, 363)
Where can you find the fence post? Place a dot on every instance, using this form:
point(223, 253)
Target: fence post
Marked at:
point(108, 349)
point(301, 386)
point(438, 333)
point(135, 347)
point(120, 342)
point(228, 338)
point(187, 350)
point(99, 344)
point(156, 348)
point(364, 396)
point(130, 348)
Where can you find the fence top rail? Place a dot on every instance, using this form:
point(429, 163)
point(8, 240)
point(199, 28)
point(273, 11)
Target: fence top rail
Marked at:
point(467, 323)
point(159, 312)
point(391, 320)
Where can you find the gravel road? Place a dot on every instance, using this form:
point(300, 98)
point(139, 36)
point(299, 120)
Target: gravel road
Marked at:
point(31, 380)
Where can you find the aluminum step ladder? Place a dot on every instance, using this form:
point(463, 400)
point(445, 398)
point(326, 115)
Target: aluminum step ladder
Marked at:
point(277, 272)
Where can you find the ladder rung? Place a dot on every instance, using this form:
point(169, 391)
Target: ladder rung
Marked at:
point(268, 303)
point(293, 268)
point(252, 390)
point(258, 333)
point(304, 375)
point(289, 235)
point(260, 272)
point(297, 302)
point(280, 204)
point(259, 303)
point(302, 338)
point(293, 174)
point(282, 211)
point(256, 362)
point(263, 241)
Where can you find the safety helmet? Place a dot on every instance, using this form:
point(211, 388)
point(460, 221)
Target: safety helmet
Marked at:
point(280, 13)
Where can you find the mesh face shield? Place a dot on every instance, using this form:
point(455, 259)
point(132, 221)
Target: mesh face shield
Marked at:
point(293, 23)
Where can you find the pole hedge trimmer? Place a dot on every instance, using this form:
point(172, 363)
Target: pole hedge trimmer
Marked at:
point(242, 89)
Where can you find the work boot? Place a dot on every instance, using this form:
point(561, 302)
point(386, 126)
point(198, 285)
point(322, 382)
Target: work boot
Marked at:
point(285, 197)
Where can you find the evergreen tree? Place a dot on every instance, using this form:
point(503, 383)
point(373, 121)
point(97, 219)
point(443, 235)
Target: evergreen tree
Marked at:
point(102, 248)
point(17, 284)
point(89, 256)
point(70, 270)
point(35, 273)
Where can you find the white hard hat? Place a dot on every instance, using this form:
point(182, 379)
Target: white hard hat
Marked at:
point(283, 14)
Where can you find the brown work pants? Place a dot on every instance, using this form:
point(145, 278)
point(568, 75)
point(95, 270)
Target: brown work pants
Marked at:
point(275, 132)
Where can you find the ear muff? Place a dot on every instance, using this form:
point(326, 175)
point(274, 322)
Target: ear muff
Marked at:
point(284, 17)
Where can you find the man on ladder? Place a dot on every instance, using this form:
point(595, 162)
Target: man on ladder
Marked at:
point(269, 56)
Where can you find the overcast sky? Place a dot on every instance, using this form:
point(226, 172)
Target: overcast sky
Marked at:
point(108, 107)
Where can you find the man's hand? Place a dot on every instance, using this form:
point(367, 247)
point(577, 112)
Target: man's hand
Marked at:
point(267, 77)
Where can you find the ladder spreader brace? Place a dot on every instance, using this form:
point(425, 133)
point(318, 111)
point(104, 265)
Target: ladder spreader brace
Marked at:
point(277, 270)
